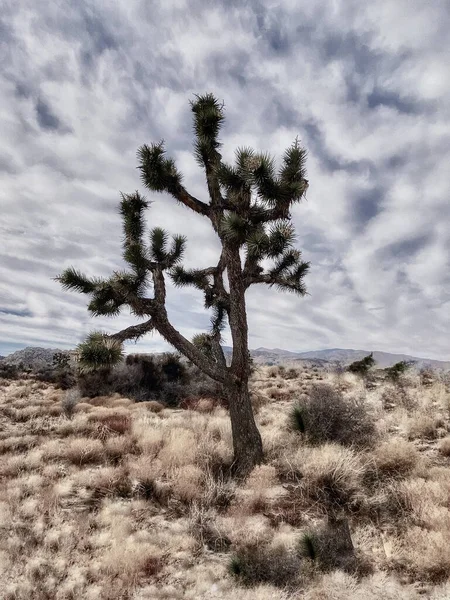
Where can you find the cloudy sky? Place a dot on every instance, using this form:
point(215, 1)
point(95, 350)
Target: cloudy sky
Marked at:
point(366, 86)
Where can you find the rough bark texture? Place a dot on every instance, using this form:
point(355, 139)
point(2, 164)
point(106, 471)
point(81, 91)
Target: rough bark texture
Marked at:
point(247, 443)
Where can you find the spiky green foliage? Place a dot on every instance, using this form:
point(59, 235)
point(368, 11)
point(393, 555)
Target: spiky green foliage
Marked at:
point(158, 173)
point(195, 277)
point(235, 228)
point(71, 279)
point(208, 118)
point(99, 351)
point(132, 208)
point(307, 543)
point(158, 244)
point(203, 342)
point(293, 172)
point(298, 419)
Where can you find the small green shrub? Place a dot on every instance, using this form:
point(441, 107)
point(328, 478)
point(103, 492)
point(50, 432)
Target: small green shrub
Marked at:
point(395, 372)
point(363, 366)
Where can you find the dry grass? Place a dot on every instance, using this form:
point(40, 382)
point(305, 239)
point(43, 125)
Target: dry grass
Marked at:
point(107, 498)
point(444, 446)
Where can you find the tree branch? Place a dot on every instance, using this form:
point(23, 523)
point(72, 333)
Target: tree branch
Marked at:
point(184, 346)
point(134, 332)
point(183, 196)
point(281, 281)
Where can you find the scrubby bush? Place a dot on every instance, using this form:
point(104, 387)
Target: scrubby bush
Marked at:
point(397, 396)
point(395, 372)
point(256, 564)
point(147, 377)
point(363, 366)
point(426, 376)
point(444, 446)
point(9, 371)
point(393, 459)
point(330, 547)
point(326, 415)
point(69, 401)
point(331, 477)
point(172, 368)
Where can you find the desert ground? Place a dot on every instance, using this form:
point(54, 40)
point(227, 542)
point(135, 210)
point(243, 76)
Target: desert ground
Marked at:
point(112, 498)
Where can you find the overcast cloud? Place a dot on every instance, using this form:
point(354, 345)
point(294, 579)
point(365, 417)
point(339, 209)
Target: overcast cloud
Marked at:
point(366, 87)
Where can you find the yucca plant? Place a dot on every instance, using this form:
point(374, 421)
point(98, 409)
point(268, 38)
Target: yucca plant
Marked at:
point(249, 209)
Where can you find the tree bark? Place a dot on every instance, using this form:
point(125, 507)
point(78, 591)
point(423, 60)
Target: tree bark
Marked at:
point(247, 443)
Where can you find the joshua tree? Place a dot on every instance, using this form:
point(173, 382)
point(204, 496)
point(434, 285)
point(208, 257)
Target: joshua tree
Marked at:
point(249, 210)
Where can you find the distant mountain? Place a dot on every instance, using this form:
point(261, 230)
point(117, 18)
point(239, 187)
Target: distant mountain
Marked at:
point(342, 355)
point(383, 359)
point(40, 357)
point(31, 357)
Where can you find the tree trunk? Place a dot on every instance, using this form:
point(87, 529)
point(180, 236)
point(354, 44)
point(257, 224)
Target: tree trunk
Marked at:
point(247, 443)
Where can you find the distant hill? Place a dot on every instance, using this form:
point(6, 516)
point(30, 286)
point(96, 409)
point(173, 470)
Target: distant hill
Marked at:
point(383, 359)
point(31, 357)
point(342, 355)
point(36, 358)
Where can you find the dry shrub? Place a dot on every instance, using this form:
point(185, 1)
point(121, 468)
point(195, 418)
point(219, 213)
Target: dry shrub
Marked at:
point(82, 451)
point(424, 555)
point(329, 547)
point(422, 426)
point(152, 405)
point(256, 564)
point(118, 447)
point(327, 416)
point(113, 424)
point(273, 372)
point(18, 443)
point(444, 446)
point(339, 585)
point(278, 393)
point(132, 561)
point(69, 401)
point(179, 449)
point(397, 397)
point(148, 438)
point(201, 405)
point(205, 529)
point(394, 458)
point(258, 490)
point(291, 373)
point(392, 503)
point(102, 483)
point(331, 476)
point(187, 483)
point(287, 509)
point(218, 491)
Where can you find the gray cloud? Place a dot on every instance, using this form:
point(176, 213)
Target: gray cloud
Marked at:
point(366, 88)
point(45, 117)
